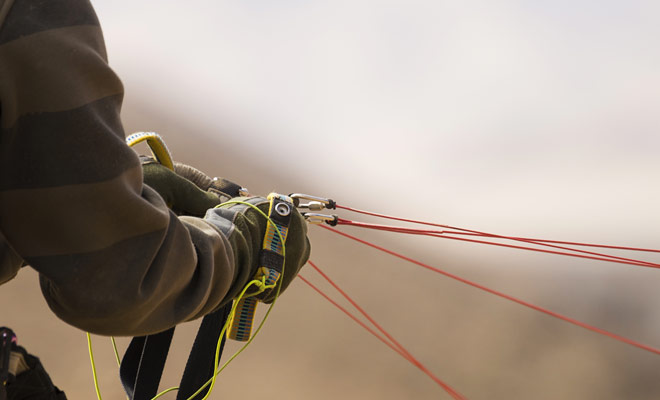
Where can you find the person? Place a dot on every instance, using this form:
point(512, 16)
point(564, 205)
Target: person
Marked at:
point(112, 257)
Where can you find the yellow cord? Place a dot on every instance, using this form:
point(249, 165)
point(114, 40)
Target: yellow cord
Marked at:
point(261, 284)
point(217, 371)
point(91, 358)
point(164, 392)
point(114, 348)
point(262, 287)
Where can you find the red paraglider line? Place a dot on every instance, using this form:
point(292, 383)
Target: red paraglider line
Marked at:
point(394, 345)
point(446, 235)
point(501, 294)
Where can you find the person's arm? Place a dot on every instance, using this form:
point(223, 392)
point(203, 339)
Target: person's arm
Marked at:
point(113, 259)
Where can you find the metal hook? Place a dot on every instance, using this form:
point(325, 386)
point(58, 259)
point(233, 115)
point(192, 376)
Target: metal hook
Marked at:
point(315, 204)
point(315, 218)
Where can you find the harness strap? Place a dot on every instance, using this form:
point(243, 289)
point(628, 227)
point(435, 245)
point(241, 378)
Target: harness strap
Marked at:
point(200, 365)
point(156, 144)
point(143, 363)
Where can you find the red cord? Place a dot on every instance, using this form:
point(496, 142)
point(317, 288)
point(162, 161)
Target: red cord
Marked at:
point(500, 294)
point(409, 356)
point(602, 246)
point(353, 317)
point(394, 345)
point(444, 235)
point(478, 233)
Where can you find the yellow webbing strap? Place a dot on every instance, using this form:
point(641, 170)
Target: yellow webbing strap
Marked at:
point(156, 144)
point(280, 210)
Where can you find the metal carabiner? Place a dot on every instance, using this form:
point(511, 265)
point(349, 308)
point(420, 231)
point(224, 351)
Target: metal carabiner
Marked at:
point(315, 218)
point(315, 203)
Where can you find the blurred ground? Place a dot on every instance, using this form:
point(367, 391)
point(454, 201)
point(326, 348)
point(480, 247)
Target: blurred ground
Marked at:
point(535, 120)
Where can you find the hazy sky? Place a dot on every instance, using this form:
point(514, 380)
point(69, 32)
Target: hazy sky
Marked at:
point(536, 113)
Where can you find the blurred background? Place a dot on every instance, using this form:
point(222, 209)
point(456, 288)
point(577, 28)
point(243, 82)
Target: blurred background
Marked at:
point(535, 119)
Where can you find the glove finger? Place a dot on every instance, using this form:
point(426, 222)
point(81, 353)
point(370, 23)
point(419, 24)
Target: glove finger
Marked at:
point(180, 194)
point(220, 186)
point(191, 200)
point(194, 175)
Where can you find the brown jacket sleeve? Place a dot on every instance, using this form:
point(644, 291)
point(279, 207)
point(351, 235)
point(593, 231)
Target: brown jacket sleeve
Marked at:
point(112, 258)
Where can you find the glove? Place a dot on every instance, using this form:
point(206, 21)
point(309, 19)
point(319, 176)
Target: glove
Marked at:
point(225, 189)
point(245, 228)
point(181, 195)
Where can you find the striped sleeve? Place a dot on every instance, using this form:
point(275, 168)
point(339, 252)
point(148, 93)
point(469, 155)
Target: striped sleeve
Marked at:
point(112, 258)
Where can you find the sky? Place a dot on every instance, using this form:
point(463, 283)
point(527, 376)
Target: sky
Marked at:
point(512, 108)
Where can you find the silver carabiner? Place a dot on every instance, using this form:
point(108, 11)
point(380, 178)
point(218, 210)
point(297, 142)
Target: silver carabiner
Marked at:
point(315, 218)
point(315, 203)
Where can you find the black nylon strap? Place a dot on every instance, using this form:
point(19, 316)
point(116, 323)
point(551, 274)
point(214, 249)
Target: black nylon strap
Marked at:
point(143, 363)
point(226, 187)
point(271, 259)
point(200, 365)
point(144, 360)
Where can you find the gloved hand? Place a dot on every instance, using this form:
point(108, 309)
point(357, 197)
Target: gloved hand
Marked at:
point(225, 189)
point(181, 195)
point(245, 228)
